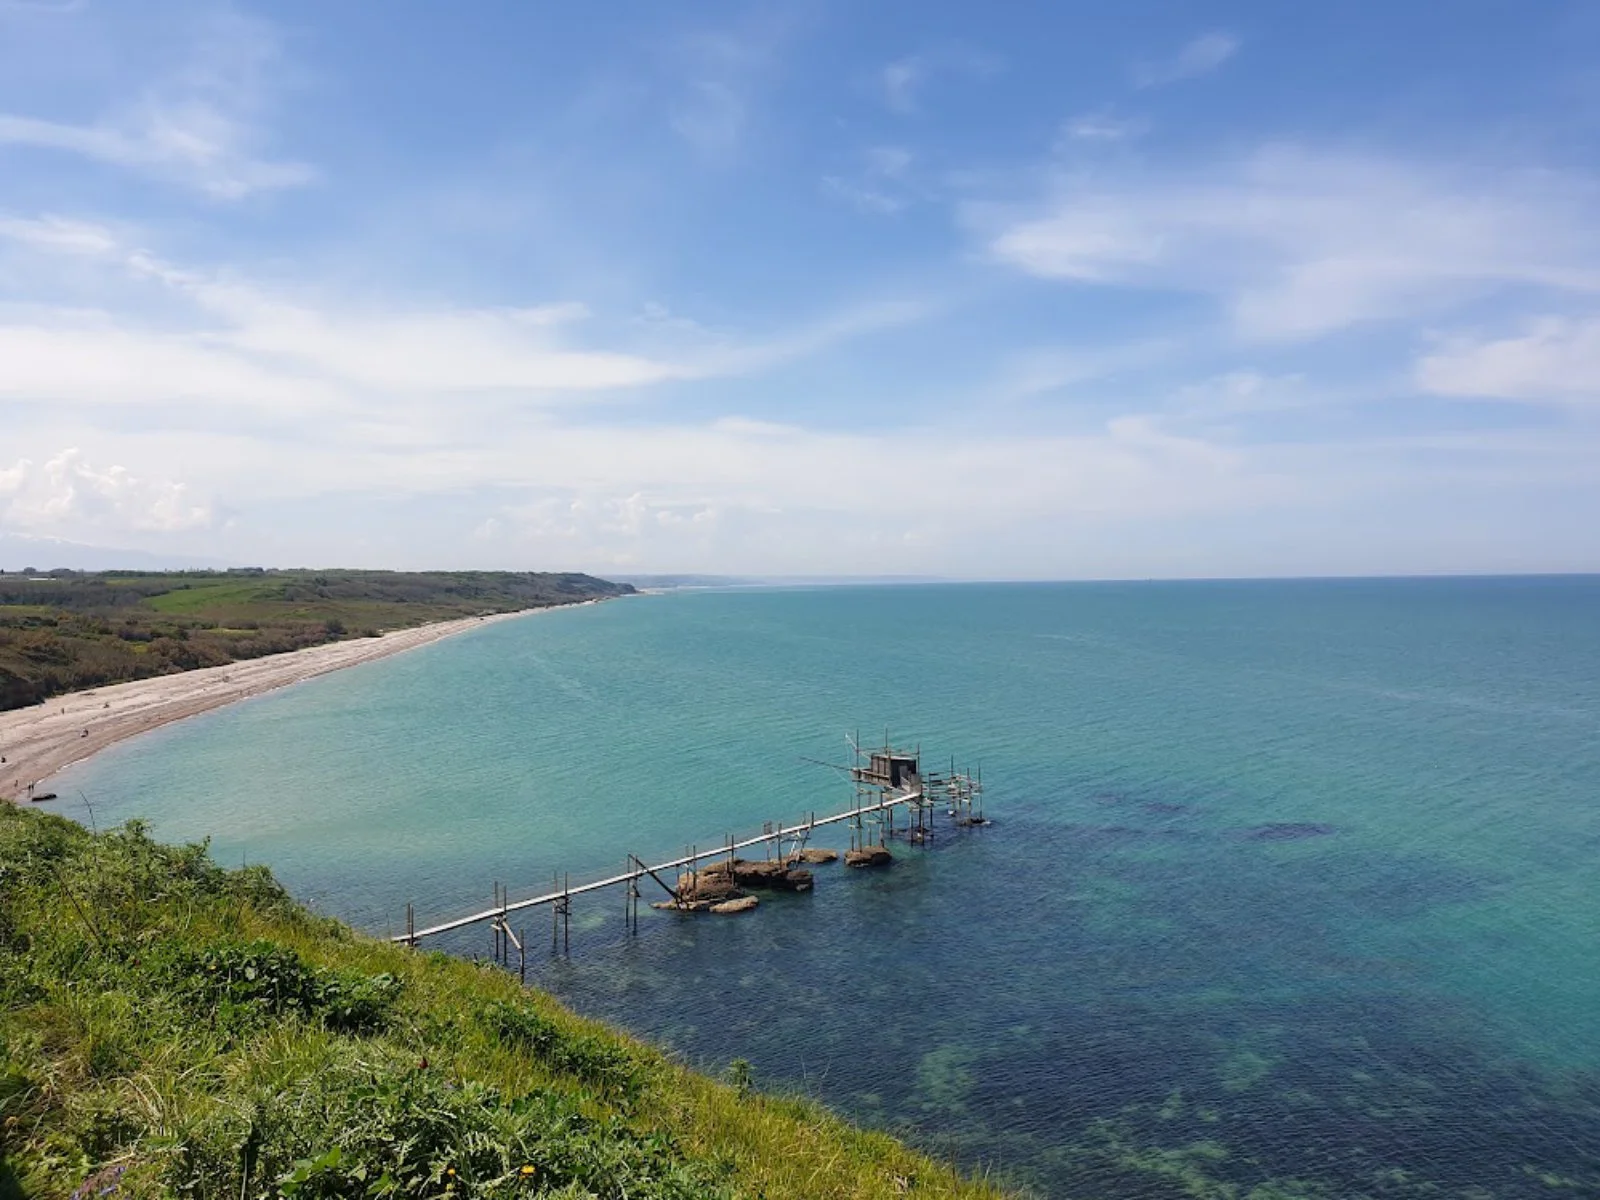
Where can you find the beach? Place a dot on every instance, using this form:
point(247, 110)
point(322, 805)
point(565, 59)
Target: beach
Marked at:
point(42, 739)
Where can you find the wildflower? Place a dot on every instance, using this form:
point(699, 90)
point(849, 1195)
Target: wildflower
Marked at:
point(527, 1172)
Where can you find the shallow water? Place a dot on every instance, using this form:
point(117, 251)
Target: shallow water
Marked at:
point(1290, 883)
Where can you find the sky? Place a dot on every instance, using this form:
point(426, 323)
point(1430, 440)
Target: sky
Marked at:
point(1029, 290)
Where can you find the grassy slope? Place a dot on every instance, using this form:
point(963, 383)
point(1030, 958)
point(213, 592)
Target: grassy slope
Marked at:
point(77, 630)
point(182, 1030)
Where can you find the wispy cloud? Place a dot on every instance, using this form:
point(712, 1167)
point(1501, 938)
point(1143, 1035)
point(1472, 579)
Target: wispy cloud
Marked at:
point(720, 75)
point(1299, 242)
point(710, 116)
point(904, 80)
point(1046, 369)
point(1199, 57)
point(199, 128)
point(194, 144)
point(901, 81)
point(1101, 126)
point(880, 187)
point(41, 7)
point(239, 343)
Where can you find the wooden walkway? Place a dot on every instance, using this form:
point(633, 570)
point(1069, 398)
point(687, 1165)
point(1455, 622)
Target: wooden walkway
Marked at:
point(913, 796)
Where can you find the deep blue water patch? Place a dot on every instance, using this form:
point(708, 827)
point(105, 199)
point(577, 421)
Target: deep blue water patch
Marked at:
point(1288, 831)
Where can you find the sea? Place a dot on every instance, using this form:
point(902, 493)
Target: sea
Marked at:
point(1290, 888)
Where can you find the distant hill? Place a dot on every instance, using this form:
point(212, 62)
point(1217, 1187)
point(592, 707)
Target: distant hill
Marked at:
point(20, 551)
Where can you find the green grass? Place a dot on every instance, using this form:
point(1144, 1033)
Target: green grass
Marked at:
point(199, 598)
point(170, 1028)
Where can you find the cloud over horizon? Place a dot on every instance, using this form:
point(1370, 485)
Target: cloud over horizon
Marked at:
point(787, 293)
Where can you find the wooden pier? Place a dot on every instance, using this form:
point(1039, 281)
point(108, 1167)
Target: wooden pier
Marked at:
point(894, 777)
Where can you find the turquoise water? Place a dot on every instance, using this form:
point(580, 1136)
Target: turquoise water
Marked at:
point(1290, 885)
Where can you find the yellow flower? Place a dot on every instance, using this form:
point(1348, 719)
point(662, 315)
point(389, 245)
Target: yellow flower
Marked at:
point(449, 1170)
point(526, 1172)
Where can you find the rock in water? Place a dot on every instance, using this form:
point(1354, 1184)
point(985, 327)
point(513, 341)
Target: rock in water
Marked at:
point(746, 874)
point(706, 885)
point(684, 905)
point(868, 856)
point(728, 907)
point(815, 856)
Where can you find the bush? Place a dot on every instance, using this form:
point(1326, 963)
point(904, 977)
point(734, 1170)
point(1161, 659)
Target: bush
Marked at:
point(234, 984)
point(395, 1129)
point(603, 1064)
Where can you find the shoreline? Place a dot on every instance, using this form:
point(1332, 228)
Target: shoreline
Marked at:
point(40, 741)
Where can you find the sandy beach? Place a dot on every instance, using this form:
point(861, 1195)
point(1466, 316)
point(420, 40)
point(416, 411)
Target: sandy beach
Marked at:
point(38, 741)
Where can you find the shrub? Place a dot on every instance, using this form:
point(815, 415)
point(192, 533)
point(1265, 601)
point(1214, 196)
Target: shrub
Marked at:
point(236, 983)
point(601, 1063)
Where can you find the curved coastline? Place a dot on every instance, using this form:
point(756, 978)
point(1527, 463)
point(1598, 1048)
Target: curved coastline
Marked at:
point(40, 741)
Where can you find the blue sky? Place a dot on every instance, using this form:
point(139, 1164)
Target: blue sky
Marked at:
point(1029, 290)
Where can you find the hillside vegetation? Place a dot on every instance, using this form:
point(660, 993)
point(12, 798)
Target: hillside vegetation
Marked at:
point(169, 1028)
point(69, 630)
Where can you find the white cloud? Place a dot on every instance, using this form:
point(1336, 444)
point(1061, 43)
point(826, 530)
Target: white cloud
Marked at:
point(1557, 360)
point(239, 345)
point(1297, 242)
point(752, 495)
point(58, 234)
point(1199, 57)
point(200, 127)
point(68, 494)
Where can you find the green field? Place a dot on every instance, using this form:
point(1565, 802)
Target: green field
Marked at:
point(69, 630)
point(168, 1028)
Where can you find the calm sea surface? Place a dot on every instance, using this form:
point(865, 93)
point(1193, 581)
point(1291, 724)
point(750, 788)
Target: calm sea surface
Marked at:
point(1290, 886)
